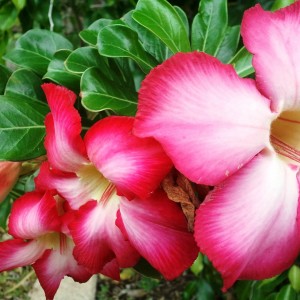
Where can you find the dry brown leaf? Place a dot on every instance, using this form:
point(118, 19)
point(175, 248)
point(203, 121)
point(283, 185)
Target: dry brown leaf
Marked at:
point(179, 189)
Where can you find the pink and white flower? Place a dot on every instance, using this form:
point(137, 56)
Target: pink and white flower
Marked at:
point(243, 136)
point(36, 224)
point(110, 177)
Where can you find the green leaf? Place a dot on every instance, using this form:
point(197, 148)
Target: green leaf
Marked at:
point(242, 62)
point(83, 58)
point(5, 209)
point(100, 93)
point(90, 34)
point(8, 16)
point(209, 26)
point(294, 277)
point(287, 293)
point(229, 44)
point(151, 43)
point(281, 3)
point(4, 75)
point(161, 18)
point(121, 41)
point(197, 266)
point(26, 84)
point(35, 49)
point(58, 73)
point(19, 4)
point(22, 128)
point(184, 19)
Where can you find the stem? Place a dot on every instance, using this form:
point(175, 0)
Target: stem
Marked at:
point(50, 15)
point(24, 279)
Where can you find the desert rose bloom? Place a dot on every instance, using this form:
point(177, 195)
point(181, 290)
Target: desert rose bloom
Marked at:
point(98, 175)
point(37, 226)
point(9, 173)
point(241, 135)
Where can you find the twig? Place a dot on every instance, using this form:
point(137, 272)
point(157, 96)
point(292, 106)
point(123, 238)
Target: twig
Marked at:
point(50, 15)
point(24, 279)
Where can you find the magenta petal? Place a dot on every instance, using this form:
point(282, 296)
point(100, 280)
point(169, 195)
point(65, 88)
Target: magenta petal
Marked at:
point(248, 226)
point(77, 192)
point(65, 147)
point(157, 228)
point(34, 214)
point(202, 113)
point(98, 240)
point(54, 265)
point(135, 165)
point(276, 53)
point(18, 253)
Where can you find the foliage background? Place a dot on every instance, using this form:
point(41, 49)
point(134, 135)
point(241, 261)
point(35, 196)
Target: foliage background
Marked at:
point(69, 19)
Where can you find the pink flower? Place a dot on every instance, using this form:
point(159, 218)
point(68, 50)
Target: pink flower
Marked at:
point(9, 173)
point(110, 177)
point(241, 135)
point(36, 223)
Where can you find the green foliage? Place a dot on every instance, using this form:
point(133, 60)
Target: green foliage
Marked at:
point(36, 48)
point(210, 30)
point(163, 20)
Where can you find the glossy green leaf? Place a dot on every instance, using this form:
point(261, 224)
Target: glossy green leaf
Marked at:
point(22, 128)
point(209, 26)
point(121, 41)
point(100, 93)
point(229, 44)
point(8, 16)
point(161, 18)
point(184, 19)
point(35, 49)
point(287, 293)
point(281, 3)
point(26, 84)
point(90, 34)
point(58, 73)
point(242, 62)
point(83, 58)
point(294, 277)
point(4, 76)
point(151, 43)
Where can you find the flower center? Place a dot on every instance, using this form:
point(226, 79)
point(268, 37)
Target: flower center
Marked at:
point(285, 136)
point(98, 187)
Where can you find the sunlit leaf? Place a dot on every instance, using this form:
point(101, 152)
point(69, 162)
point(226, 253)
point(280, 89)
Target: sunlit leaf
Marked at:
point(35, 49)
point(121, 41)
point(161, 18)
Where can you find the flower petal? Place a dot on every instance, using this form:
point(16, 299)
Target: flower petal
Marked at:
point(54, 265)
point(135, 165)
point(208, 120)
point(248, 225)
point(276, 53)
point(157, 228)
point(33, 215)
point(9, 173)
point(77, 191)
point(65, 147)
point(98, 240)
point(18, 253)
